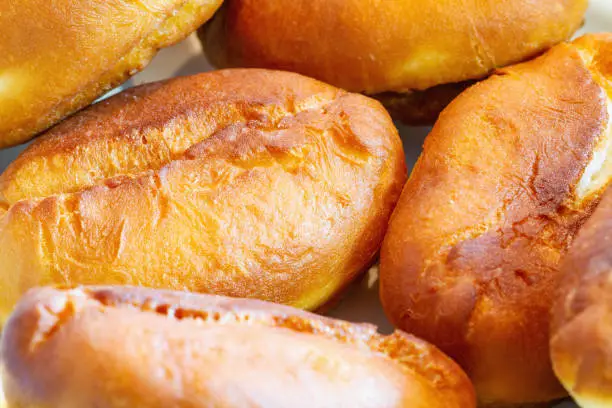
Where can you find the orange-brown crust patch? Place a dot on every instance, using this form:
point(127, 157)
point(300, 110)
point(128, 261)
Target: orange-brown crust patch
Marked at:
point(58, 57)
point(247, 183)
point(471, 258)
point(387, 46)
point(580, 333)
point(51, 324)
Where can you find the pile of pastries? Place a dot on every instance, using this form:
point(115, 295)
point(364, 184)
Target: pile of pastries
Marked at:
point(167, 246)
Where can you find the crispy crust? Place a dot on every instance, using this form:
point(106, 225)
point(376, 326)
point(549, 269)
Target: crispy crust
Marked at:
point(248, 183)
point(470, 261)
point(375, 46)
point(83, 49)
point(144, 348)
point(580, 334)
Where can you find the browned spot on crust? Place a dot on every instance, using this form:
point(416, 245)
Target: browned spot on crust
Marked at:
point(487, 215)
point(248, 183)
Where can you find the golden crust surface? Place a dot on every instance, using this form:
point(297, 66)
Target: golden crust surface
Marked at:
point(375, 46)
point(248, 183)
point(118, 346)
point(58, 56)
point(581, 329)
point(470, 261)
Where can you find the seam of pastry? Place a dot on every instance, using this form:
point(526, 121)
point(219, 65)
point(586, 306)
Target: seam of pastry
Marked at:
point(360, 335)
point(343, 332)
point(160, 132)
point(53, 320)
point(186, 155)
point(597, 174)
point(599, 169)
point(116, 181)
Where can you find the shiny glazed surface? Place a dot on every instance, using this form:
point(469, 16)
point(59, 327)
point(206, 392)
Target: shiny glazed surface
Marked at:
point(580, 339)
point(57, 56)
point(145, 348)
point(510, 172)
point(247, 183)
point(375, 46)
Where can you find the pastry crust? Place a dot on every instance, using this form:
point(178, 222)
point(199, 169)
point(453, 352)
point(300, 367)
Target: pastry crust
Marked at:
point(248, 183)
point(59, 56)
point(374, 46)
point(511, 171)
point(580, 335)
point(132, 347)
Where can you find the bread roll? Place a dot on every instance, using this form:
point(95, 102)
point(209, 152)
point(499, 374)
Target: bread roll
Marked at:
point(417, 53)
point(132, 347)
point(510, 172)
point(581, 341)
point(247, 183)
point(58, 56)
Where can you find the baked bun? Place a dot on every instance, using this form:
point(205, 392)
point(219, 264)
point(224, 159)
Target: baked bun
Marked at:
point(247, 183)
point(401, 47)
point(511, 170)
point(133, 347)
point(581, 341)
point(58, 56)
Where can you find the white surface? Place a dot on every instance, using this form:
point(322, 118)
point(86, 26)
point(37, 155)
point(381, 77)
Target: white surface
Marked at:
point(361, 304)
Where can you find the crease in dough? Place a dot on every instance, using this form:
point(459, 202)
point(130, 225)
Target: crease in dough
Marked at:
point(598, 173)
